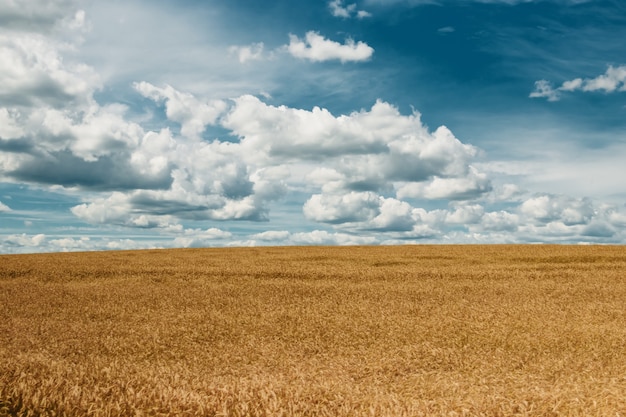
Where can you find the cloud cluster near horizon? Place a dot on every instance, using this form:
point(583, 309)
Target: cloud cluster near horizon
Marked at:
point(363, 172)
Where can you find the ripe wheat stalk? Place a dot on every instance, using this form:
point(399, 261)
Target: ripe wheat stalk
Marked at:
point(357, 331)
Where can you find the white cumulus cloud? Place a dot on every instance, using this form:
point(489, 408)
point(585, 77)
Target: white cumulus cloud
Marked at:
point(34, 73)
point(17, 241)
point(317, 48)
point(362, 151)
point(472, 185)
point(192, 114)
point(499, 221)
point(547, 208)
point(466, 214)
point(351, 207)
point(614, 79)
point(394, 216)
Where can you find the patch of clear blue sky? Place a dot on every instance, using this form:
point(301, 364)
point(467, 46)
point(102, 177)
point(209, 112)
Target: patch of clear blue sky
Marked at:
point(39, 208)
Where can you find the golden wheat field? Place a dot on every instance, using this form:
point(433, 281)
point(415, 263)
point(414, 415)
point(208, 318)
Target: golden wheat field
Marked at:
point(315, 331)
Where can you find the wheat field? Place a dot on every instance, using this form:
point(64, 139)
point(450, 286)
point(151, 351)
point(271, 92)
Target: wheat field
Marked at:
point(315, 331)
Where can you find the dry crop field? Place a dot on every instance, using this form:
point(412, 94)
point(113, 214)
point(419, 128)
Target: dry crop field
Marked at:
point(316, 331)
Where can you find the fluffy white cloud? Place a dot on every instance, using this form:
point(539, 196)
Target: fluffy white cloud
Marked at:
point(362, 151)
point(24, 243)
point(548, 208)
point(506, 192)
point(68, 244)
point(355, 156)
point(93, 150)
point(419, 155)
point(466, 214)
point(510, 227)
point(52, 131)
point(394, 216)
point(367, 212)
point(338, 9)
point(159, 177)
point(614, 79)
point(269, 182)
point(572, 85)
point(34, 73)
point(468, 187)
point(557, 218)
point(289, 133)
point(546, 217)
point(209, 181)
point(317, 48)
point(183, 238)
point(499, 221)
point(117, 209)
point(351, 207)
point(15, 242)
point(192, 114)
point(4, 208)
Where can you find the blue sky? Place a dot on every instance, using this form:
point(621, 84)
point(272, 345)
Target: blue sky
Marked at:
point(139, 124)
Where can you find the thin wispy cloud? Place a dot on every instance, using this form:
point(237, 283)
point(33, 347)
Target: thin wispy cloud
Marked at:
point(248, 53)
point(338, 9)
point(446, 29)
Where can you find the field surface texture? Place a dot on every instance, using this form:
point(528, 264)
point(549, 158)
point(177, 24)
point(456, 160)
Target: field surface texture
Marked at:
point(316, 331)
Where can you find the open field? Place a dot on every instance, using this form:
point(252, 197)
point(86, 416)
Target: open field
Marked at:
point(328, 331)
